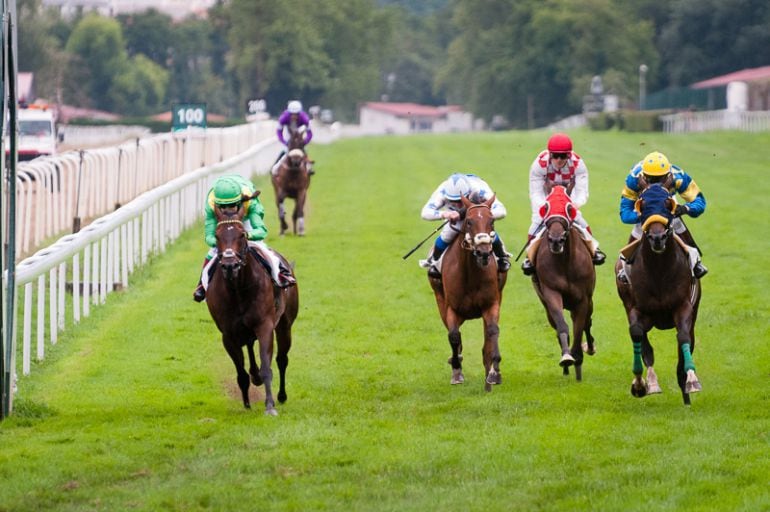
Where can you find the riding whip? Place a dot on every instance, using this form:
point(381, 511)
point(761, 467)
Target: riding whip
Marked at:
point(425, 240)
point(526, 244)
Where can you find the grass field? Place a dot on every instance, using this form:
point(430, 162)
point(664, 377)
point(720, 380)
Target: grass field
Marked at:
point(135, 408)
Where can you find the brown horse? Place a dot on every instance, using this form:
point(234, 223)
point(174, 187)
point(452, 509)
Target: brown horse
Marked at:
point(246, 307)
point(565, 279)
point(292, 181)
point(471, 287)
point(661, 292)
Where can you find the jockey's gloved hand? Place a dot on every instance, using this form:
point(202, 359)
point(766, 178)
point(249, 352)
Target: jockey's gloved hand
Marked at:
point(681, 209)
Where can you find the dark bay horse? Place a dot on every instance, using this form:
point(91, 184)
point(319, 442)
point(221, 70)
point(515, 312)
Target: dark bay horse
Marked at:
point(471, 287)
point(292, 181)
point(661, 292)
point(246, 307)
point(565, 279)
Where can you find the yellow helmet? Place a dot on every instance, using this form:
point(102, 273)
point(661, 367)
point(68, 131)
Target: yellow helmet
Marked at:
point(656, 164)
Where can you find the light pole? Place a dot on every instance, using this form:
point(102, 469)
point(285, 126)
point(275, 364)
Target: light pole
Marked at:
point(642, 86)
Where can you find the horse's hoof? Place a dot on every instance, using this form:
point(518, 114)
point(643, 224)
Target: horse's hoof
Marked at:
point(654, 389)
point(271, 412)
point(494, 378)
point(588, 349)
point(281, 397)
point(692, 385)
point(246, 405)
point(639, 390)
point(566, 360)
point(457, 377)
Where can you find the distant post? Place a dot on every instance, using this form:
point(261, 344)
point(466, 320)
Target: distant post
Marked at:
point(642, 85)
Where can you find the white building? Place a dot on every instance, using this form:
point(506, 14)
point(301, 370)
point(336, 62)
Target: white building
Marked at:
point(177, 9)
point(404, 118)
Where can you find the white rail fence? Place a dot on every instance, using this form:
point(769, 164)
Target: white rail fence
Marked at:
point(80, 270)
point(686, 122)
point(56, 194)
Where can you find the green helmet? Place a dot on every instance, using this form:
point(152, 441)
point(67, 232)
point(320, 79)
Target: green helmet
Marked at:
point(227, 191)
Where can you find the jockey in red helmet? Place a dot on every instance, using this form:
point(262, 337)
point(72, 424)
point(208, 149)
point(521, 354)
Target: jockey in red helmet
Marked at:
point(558, 164)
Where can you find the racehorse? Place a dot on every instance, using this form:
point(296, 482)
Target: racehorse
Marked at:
point(292, 181)
point(564, 278)
point(246, 307)
point(661, 292)
point(470, 287)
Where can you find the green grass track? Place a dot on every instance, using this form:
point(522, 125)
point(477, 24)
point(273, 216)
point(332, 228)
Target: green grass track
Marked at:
point(134, 408)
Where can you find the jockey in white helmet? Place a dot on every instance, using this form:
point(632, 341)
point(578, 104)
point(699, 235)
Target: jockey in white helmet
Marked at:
point(445, 203)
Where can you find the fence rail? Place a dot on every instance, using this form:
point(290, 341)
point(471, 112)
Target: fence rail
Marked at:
point(686, 122)
point(57, 194)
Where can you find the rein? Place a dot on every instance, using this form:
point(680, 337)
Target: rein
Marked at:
point(229, 253)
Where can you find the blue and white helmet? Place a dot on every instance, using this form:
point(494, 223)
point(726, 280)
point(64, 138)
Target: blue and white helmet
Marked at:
point(455, 187)
point(294, 107)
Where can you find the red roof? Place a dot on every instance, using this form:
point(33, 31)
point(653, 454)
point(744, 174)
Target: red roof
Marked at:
point(744, 75)
point(407, 109)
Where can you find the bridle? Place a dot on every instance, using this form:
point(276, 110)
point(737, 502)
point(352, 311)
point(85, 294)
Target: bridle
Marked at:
point(230, 260)
point(479, 239)
point(556, 244)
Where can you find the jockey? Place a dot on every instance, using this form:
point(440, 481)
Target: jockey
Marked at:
point(559, 165)
point(227, 193)
point(445, 203)
point(656, 168)
point(292, 119)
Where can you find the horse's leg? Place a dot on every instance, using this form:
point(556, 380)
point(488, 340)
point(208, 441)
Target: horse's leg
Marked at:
point(283, 339)
point(455, 342)
point(578, 315)
point(555, 309)
point(648, 358)
point(638, 332)
point(588, 345)
point(491, 350)
point(279, 198)
point(299, 213)
point(685, 368)
point(256, 379)
point(265, 337)
point(234, 350)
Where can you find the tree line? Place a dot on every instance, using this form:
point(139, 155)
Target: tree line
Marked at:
point(530, 61)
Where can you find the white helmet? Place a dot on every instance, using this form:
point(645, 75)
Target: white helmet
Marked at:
point(455, 187)
point(294, 107)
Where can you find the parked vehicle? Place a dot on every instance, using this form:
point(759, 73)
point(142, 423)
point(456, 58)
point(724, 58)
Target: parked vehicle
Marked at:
point(37, 132)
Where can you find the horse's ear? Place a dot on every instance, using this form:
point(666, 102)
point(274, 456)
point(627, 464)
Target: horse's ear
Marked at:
point(548, 186)
point(571, 211)
point(642, 182)
point(670, 205)
point(253, 196)
point(668, 181)
point(466, 202)
point(490, 201)
point(638, 205)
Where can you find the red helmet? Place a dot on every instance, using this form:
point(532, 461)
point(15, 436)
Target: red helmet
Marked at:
point(559, 143)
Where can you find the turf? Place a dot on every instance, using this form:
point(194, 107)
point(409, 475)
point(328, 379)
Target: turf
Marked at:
point(134, 408)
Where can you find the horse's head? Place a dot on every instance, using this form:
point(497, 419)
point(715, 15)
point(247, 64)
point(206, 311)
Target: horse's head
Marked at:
point(479, 229)
point(297, 139)
point(558, 212)
point(231, 240)
point(656, 209)
point(295, 158)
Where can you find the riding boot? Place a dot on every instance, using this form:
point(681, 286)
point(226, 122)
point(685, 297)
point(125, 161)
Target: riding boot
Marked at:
point(526, 266)
point(284, 277)
point(599, 257)
point(503, 258)
point(200, 292)
point(432, 259)
point(699, 269)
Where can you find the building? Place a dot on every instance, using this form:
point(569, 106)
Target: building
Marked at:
point(177, 9)
point(747, 89)
point(405, 118)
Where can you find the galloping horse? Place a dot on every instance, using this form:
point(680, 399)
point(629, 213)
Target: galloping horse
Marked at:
point(245, 306)
point(292, 181)
point(565, 278)
point(471, 287)
point(661, 292)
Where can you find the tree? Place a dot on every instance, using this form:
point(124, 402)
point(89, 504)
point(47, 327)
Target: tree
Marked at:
point(98, 45)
